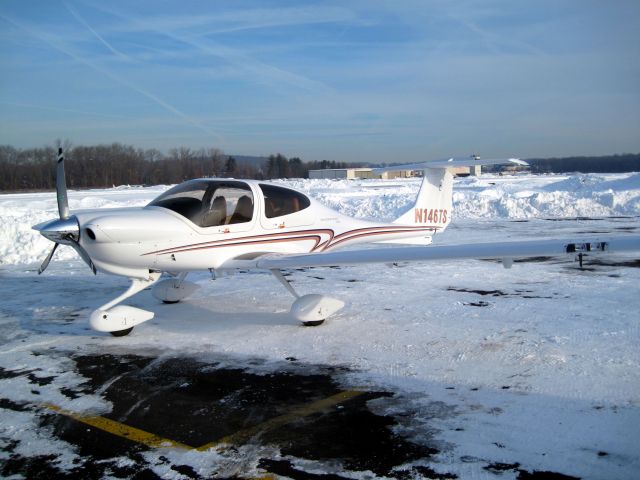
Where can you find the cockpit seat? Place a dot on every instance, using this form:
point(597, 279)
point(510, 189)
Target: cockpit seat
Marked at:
point(217, 214)
point(243, 211)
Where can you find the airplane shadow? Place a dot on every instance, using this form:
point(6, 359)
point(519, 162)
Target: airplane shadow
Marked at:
point(61, 305)
point(177, 317)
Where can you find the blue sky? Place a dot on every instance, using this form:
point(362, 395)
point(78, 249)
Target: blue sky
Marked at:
point(349, 81)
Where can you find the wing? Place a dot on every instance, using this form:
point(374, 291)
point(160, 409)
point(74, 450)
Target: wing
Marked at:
point(508, 250)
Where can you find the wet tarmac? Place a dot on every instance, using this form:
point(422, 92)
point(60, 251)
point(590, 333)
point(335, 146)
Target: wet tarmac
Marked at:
point(291, 414)
point(301, 411)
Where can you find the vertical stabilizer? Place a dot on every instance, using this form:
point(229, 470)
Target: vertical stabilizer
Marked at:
point(433, 207)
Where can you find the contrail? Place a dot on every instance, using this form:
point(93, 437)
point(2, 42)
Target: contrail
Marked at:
point(248, 64)
point(58, 109)
point(492, 40)
point(115, 78)
point(96, 34)
point(255, 67)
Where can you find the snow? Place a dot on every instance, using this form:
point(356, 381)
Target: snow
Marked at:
point(546, 373)
point(486, 197)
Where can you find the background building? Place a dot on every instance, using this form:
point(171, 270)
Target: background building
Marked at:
point(352, 173)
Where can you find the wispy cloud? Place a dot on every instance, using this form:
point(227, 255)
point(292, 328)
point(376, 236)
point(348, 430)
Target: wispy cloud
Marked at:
point(434, 77)
point(77, 16)
point(54, 43)
point(254, 69)
point(496, 43)
point(61, 109)
point(245, 19)
point(260, 71)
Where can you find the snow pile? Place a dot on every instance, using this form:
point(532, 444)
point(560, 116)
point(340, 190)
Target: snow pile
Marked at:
point(20, 244)
point(486, 197)
point(555, 196)
point(489, 196)
point(536, 365)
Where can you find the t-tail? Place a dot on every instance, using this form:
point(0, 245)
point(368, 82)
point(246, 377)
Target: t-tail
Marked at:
point(434, 203)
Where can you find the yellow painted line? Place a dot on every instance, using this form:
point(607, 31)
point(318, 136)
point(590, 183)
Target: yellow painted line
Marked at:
point(243, 436)
point(120, 429)
point(155, 441)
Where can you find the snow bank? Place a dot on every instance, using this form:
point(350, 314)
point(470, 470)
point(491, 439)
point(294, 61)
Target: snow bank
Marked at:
point(577, 195)
point(489, 196)
point(544, 372)
point(19, 244)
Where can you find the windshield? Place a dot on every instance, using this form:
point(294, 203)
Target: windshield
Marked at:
point(209, 203)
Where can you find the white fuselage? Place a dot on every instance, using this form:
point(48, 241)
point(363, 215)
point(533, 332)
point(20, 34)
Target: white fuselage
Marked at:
point(134, 241)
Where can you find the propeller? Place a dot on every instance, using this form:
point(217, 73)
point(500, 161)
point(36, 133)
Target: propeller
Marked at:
point(61, 187)
point(45, 264)
point(66, 229)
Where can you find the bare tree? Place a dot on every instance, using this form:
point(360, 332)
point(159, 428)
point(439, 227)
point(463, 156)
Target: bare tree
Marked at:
point(216, 158)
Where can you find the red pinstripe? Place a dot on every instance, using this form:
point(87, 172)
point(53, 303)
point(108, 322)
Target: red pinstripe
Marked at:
point(315, 235)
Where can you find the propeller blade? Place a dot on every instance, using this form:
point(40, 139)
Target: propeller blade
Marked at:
point(84, 255)
point(45, 264)
point(61, 188)
point(66, 229)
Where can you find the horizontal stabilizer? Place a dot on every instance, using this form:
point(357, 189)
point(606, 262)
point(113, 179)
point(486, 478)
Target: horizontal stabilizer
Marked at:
point(451, 163)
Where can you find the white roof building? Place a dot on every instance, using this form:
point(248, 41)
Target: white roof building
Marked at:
point(352, 173)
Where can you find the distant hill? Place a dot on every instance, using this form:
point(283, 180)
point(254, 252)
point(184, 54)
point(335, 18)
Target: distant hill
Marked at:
point(627, 162)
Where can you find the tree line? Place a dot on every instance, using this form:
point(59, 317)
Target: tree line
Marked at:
point(279, 166)
point(627, 162)
point(103, 166)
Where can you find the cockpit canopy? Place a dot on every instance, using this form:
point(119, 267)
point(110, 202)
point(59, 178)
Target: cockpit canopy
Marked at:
point(210, 203)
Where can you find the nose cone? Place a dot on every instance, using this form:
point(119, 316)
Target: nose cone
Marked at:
point(62, 231)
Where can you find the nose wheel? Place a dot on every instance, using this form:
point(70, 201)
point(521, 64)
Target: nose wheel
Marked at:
point(122, 333)
point(313, 323)
point(119, 320)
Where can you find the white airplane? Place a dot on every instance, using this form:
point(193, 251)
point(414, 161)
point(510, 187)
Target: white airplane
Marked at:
point(218, 224)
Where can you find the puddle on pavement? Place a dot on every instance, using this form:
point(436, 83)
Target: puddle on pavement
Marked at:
point(192, 402)
point(196, 402)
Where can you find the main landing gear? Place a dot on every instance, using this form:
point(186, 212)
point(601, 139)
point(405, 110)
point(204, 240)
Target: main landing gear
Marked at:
point(313, 309)
point(174, 289)
point(119, 320)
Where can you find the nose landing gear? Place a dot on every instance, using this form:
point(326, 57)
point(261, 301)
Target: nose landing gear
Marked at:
point(119, 320)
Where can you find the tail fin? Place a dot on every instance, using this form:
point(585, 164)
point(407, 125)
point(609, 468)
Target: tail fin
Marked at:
point(434, 204)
